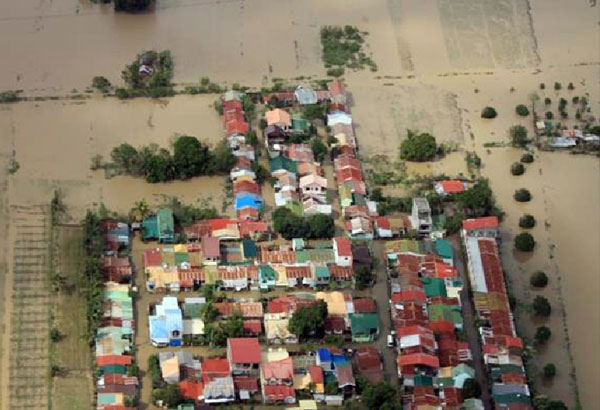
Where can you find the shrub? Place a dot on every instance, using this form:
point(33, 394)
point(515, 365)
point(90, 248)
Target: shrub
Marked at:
point(564, 114)
point(418, 147)
point(9, 96)
point(541, 306)
point(471, 389)
point(549, 115)
point(518, 135)
point(101, 83)
point(549, 370)
point(539, 279)
point(542, 334)
point(517, 169)
point(557, 86)
point(131, 5)
point(571, 86)
point(336, 71)
point(547, 101)
point(575, 100)
point(524, 242)
point(527, 221)
point(527, 158)
point(55, 334)
point(122, 93)
point(522, 110)
point(522, 195)
point(542, 86)
point(489, 112)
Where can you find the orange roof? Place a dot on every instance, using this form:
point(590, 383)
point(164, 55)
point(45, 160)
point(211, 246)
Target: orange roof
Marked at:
point(108, 360)
point(281, 369)
point(316, 374)
point(278, 116)
point(343, 245)
point(236, 126)
point(488, 222)
point(215, 368)
point(364, 305)
point(191, 390)
point(418, 359)
point(244, 350)
point(452, 186)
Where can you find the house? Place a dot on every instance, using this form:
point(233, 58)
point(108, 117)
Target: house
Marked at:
point(360, 228)
point(305, 95)
point(252, 328)
point(276, 329)
point(364, 327)
point(313, 206)
point(443, 249)
point(246, 186)
point(279, 117)
point(342, 248)
point(364, 305)
point(247, 199)
point(236, 126)
point(338, 117)
point(245, 386)
point(341, 274)
point(232, 95)
point(313, 185)
point(282, 165)
point(337, 92)
point(299, 276)
point(369, 364)
point(211, 251)
point(267, 277)
point(485, 227)
point(244, 355)
point(247, 214)
point(274, 135)
point(300, 153)
point(383, 227)
point(344, 134)
point(449, 187)
point(215, 368)
point(421, 216)
point(192, 390)
point(224, 229)
point(307, 168)
point(300, 125)
point(166, 325)
point(277, 379)
point(322, 275)
point(219, 390)
point(159, 227)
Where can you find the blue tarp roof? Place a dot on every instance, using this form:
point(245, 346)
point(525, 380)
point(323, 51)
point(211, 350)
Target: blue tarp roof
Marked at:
point(245, 199)
point(324, 355)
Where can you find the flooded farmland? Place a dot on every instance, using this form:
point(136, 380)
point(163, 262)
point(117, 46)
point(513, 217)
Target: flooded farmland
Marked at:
point(436, 82)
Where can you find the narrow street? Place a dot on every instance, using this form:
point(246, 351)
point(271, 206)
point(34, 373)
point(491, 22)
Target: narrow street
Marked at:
point(469, 316)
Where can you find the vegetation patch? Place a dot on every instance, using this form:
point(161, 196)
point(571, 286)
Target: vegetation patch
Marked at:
point(522, 195)
point(518, 136)
point(527, 221)
point(522, 110)
point(539, 279)
point(343, 47)
point(149, 75)
point(418, 146)
point(9, 97)
point(517, 169)
point(489, 112)
point(524, 242)
point(290, 225)
point(527, 158)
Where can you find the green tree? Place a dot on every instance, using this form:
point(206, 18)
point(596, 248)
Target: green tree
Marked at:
point(320, 226)
point(557, 86)
point(542, 334)
point(252, 139)
point(539, 279)
point(547, 101)
point(309, 320)
point(126, 159)
point(169, 394)
point(517, 169)
point(549, 115)
point(154, 371)
point(190, 157)
point(418, 146)
point(363, 277)
point(375, 396)
point(208, 312)
point(223, 158)
point(518, 135)
point(234, 326)
point(288, 224)
point(453, 224)
point(479, 199)
point(524, 242)
point(541, 306)
point(140, 211)
point(527, 221)
point(522, 110)
point(377, 195)
point(549, 370)
point(522, 195)
point(471, 389)
point(489, 112)
point(159, 168)
point(527, 158)
point(101, 83)
point(131, 5)
point(55, 335)
point(319, 149)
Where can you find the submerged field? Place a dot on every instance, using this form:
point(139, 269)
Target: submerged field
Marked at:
point(436, 82)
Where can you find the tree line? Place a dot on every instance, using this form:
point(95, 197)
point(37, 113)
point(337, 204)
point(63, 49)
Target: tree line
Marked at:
point(289, 225)
point(190, 158)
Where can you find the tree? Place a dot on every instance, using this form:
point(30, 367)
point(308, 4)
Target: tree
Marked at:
point(557, 86)
point(471, 389)
point(169, 394)
point(251, 138)
point(377, 195)
point(522, 110)
point(140, 211)
point(539, 279)
point(549, 370)
point(524, 242)
point(571, 87)
point(131, 5)
point(126, 159)
point(549, 115)
point(489, 112)
point(527, 221)
point(314, 111)
point(223, 159)
point(159, 168)
point(542, 334)
point(541, 306)
point(375, 396)
point(517, 169)
point(154, 371)
point(418, 147)
point(527, 158)
point(518, 135)
point(234, 326)
point(547, 101)
point(55, 335)
point(190, 157)
point(478, 199)
point(320, 226)
point(308, 320)
point(363, 277)
point(288, 224)
point(208, 312)
point(319, 149)
point(101, 83)
point(522, 195)
point(453, 224)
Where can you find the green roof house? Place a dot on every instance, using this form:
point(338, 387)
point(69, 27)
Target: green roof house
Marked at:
point(299, 124)
point(267, 277)
point(323, 275)
point(448, 313)
point(444, 250)
point(159, 227)
point(345, 194)
point(280, 163)
point(249, 248)
point(364, 326)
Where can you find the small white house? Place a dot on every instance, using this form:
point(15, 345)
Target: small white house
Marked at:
point(313, 185)
point(342, 249)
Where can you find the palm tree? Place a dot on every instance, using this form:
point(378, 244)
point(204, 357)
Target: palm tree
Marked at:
point(140, 211)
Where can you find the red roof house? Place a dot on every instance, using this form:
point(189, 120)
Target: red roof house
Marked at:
point(215, 368)
point(364, 305)
point(243, 353)
point(488, 222)
point(192, 390)
point(108, 360)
